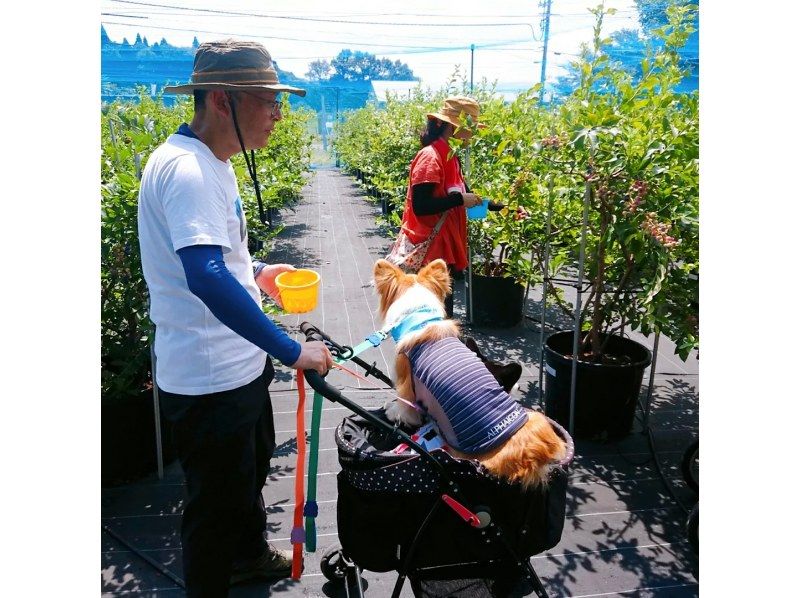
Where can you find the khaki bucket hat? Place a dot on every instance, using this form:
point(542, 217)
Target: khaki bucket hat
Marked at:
point(233, 65)
point(454, 107)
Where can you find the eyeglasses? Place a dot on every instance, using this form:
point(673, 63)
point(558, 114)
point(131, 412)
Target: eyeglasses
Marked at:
point(274, 105)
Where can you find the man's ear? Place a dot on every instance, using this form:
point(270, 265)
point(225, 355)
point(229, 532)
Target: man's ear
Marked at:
point(435, 277)
point(221, 100)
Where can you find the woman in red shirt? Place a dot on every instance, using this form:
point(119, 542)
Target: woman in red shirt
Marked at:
point(436, 185)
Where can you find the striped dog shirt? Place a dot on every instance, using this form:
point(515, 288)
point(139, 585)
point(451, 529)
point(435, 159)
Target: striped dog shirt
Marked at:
point(470, 407)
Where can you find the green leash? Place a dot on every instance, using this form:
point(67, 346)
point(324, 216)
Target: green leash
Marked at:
point(311, 509)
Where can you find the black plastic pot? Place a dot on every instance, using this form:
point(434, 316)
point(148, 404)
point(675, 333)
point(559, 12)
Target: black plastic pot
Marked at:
point(128, 438)
point(605, 395)
point(496, 301)
point(387, 207)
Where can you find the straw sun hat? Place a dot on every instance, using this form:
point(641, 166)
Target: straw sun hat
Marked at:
point(454, 107)
point(233, 65)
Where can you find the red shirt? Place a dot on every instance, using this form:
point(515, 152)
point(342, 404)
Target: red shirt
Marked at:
point(431, 165)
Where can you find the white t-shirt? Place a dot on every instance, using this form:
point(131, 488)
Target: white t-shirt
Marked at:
point(189, 197)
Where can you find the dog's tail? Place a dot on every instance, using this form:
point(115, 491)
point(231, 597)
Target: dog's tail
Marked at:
point(529, 454)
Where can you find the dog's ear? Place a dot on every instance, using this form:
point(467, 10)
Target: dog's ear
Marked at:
point(435, 277)
point(386, 277)
point(384, 273)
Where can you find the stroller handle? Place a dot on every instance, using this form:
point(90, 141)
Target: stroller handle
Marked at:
point(313, 333)
point(333, 394)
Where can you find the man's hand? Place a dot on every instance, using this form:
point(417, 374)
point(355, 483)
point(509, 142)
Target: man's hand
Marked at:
point(266, 280)
point(314, 355)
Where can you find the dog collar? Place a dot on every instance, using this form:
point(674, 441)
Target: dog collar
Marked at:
point(413, 321)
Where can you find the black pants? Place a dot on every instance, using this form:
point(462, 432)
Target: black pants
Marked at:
point(224, 441)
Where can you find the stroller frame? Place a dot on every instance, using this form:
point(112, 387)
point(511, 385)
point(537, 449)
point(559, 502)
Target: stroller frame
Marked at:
point(345, 568)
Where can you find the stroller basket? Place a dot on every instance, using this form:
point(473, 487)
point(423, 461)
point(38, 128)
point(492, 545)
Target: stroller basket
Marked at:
point(384, 498)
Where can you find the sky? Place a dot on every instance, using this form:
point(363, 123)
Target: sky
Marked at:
point(432, 38)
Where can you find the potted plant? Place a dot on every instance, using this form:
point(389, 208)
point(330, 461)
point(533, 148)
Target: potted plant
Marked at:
point(499, 270)
point(128, 440)
point(629, 148)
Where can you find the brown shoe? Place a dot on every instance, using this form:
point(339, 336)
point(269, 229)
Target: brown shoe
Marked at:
point(272, 564)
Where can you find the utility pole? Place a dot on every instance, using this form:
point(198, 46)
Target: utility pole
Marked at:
point(323, 130)
point(471, 64)
point(544, 49)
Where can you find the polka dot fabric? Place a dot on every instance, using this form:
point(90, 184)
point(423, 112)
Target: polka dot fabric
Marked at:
point(369, 465)
point(414, 475)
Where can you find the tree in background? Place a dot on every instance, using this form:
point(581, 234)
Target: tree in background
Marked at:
point(653, 13)
point(629, 46)
point(318, 70)
point(359, 66)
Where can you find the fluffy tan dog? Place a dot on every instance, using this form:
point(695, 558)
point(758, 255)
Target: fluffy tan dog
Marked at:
point(434, 369)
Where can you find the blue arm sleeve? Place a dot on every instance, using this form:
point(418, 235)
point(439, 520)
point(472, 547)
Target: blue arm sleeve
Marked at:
point(211, 281)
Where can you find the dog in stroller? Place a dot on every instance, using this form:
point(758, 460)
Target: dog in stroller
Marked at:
point(446, 524)
point(436, 371)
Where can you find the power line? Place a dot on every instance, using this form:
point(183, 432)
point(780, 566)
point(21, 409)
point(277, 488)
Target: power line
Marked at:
point(171, 18)
point(442, 15)
point(409, 49)
point(317, 19)
point(116, 14)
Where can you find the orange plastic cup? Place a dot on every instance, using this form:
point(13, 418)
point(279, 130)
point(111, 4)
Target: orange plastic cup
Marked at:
point(298, 290)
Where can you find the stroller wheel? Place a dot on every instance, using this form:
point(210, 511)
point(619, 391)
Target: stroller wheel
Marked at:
point(692, 528)
point(332, 564)
point(690, 465)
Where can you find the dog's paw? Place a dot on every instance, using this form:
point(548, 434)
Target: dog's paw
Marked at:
point(402, 413)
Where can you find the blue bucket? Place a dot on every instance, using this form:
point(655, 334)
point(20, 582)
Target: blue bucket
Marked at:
point(479, 211)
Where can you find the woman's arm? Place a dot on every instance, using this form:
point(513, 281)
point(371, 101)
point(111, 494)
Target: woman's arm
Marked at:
point(425, 204)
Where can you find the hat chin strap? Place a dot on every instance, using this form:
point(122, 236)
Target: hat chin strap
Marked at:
point(251, 164)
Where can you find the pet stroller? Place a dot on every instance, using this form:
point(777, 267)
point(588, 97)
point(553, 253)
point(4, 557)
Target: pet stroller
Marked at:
point(445, 523)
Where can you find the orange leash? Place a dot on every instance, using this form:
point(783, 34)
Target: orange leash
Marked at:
point(394, 396)
point(298, 534)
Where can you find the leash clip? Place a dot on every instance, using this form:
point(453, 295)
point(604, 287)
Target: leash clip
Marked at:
point(376, 338)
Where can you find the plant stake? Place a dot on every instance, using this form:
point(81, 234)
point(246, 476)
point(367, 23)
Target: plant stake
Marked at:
point(576, 334)
point(544, 289)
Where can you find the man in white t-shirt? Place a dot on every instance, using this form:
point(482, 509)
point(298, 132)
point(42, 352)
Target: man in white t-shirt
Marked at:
point(213, 342)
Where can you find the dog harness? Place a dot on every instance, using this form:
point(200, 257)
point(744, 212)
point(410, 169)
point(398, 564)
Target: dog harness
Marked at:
point(472, 410)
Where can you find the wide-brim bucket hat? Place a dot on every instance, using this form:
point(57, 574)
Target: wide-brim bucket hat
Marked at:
point(454, 106)
point(232, 65)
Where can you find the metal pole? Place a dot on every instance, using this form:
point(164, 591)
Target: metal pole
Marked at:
point(469, 251)
point(324, 131)
point(545, 278)
point(137, 164)
point(469, 280)
point(471, 65)
point(652, 378)
point(157, 412)
point(544, 49)
point(576, 333)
